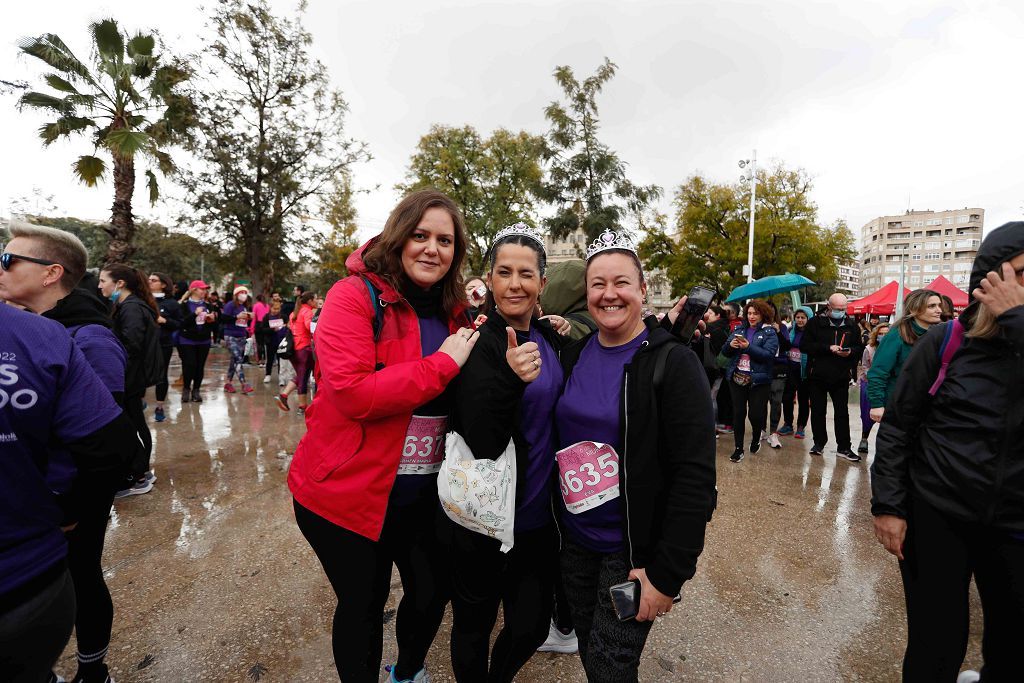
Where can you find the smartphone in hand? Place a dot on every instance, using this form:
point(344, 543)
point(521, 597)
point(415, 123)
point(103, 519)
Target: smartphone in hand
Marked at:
point(697, 303)
point(626, 599)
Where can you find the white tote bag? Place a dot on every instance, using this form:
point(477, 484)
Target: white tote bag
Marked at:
point(479, 495)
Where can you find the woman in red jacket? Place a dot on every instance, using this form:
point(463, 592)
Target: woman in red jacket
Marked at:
point(300, 323)
point(389, 340)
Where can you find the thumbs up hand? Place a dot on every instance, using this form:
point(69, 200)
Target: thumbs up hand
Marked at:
point(524, 360)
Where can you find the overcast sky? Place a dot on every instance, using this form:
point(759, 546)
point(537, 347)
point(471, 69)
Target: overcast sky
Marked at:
point(884, 103)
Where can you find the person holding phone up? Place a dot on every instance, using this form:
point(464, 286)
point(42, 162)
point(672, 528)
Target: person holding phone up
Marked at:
point(751, 349)
point(636, 465)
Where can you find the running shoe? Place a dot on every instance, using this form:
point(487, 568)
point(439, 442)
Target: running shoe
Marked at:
point(266, 379)
point(139, 487)
point(247, 389)
point(817, 450)
point(848, 454)
point(968, 676)
point(562, 643)
point(724, 429)
point(755, 446)
point(421, 676)
point(300, 411)
point(158, 415)
point(229, 387)
point(737, 455)
point(196, 396)
point(799, 433)
point(282, 402)
point(863, 447)
point(150, 477)
point(773, 441)
point(786, 430)
point(102, 676)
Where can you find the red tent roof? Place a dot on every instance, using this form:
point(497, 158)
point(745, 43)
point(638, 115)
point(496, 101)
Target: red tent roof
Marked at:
point(882, 302)
point(944, 286)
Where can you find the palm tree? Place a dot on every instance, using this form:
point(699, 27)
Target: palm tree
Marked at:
point(128, 101)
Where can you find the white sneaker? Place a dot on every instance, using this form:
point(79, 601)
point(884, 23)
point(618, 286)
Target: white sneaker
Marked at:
point(968, 676)
point(266, 379)
point(773, 441)
point(559, 642)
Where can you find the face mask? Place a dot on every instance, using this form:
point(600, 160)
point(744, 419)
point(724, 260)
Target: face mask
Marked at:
point(158, 295)
point(837, 315)
point(116, 295)
point(243, 297)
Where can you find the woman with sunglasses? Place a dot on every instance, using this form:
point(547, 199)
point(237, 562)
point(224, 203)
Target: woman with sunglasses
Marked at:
point(169, 320)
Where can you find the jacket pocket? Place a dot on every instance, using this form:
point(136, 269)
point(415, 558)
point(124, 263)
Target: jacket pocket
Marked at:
point(339, 450)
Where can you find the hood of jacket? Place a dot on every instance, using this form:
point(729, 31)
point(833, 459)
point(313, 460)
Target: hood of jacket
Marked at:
point(1001, 245)
point(80, 307)
point(566, 290)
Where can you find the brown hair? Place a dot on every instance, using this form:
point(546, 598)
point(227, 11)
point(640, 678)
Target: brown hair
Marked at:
point(303, 300)
point(915, 303)
point(873, 337)
point(55, 245)
point(384, 255)
point(762, 307)
point(134, 280)
point(632, 257)
point(165, 280)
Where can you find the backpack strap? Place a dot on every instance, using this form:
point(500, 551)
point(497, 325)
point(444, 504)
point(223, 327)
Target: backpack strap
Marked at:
point(659, 366)
point(583, 320)
point(951, 342)
point(378, 307)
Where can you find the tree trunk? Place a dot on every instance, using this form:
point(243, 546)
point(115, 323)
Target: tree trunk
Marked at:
point(122, 225)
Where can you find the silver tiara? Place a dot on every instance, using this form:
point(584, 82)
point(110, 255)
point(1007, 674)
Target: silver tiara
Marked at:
point(520, 229)
point(609, 239)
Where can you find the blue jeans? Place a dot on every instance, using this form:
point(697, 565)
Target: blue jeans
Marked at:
point(236, 345)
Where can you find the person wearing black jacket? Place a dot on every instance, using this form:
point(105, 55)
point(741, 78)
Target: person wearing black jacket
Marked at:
point(636, 467)
point(135, 314)
point(832, 345)
point(948, 476)
point(169, 319)
point(507, 390)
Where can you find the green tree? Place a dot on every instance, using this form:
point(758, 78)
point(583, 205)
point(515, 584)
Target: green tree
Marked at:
point(128, 100)
point(587, 181)
point(495, 180)
point(708, 245)
point(270, 139)
point(334, 249)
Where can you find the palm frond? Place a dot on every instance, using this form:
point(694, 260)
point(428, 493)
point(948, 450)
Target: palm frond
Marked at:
point(63, 127)
point(165, 78)
point(143, 65)
point(39, 100)
point(51, 50)
point(163, 160)
point(124, 143)
point(108, 39)
point(153, 186)
point(59, 84)
point(141, 45)
point(89, 169)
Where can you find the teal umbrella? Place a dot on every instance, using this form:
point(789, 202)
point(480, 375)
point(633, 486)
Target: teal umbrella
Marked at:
point(767, 286)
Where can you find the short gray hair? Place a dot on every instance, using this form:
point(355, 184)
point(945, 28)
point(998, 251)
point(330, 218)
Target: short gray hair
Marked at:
point(55, 245)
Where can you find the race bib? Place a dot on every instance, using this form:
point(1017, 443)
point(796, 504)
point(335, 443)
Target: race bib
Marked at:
point(794, 355)
point(276, 324)
point(588, 475)
point(744, 364)
point(201, 316)
point(241, 323)
point(424, 445)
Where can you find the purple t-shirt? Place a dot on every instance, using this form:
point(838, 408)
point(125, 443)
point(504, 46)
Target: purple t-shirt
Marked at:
point(104, 352)
point(409, 487)
point(47, 390)
point(589, 411)
point(206, 329)
point(536, 422)
point(229, 315)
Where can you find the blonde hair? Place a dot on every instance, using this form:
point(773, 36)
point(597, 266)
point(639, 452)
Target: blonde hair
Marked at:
point(55, 245)
point(986, 325)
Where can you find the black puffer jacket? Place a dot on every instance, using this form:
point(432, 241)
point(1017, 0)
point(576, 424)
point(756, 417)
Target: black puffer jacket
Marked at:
point(668, 463)
point(134, 325)
point(963, 450)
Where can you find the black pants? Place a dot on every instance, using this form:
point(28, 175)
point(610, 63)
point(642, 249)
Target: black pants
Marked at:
point(269, 345)
point(133, 410)
point(941, 554)
point(754, 396)
point(360, 573)
point(839, 392)
point(610, 649)
point(561, 614)
point(725, 402)
point(34, 633)
point(95, 615)
point(161, 387)
point(521, 580)
point(193, 365)
point(796, 389)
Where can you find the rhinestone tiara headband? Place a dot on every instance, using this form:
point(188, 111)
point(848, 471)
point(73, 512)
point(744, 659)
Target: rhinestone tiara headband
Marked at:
point(609, 239)
point(520, 229)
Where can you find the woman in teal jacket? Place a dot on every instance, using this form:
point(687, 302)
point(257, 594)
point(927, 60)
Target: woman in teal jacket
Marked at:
point(921, 309)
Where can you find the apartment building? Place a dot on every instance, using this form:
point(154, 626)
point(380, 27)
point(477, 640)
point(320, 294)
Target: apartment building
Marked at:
point(930, 243)
point(848, 279)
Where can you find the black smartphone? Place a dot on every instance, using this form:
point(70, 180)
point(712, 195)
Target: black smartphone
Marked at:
point(626, 599)
point(697, 302)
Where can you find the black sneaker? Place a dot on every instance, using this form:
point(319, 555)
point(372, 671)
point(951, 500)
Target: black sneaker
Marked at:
point(196, 397)
point(817, 450)
point(863, 447)
point(848, 454)
point(755, 446)
point(186, 396)
point(737, 455)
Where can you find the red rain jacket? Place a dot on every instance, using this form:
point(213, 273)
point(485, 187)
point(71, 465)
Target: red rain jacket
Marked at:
point(345, 465)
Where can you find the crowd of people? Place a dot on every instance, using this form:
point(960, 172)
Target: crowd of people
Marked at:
point(532, 440)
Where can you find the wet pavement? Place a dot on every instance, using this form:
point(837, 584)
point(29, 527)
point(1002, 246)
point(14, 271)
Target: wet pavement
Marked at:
point(212, 581)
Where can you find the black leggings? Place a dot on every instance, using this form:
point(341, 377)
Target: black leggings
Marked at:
point(756, 396)
point(95, 615)
point(161, 386)
point(193, 365)
point(941, 554)
point(137, 416)
point(796, 388)
point(724, 399)
point(269, 345)
point(360, 573)
point(521, 580)
point(33, 633)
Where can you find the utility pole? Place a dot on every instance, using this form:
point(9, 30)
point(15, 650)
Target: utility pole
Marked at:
point(752, 162)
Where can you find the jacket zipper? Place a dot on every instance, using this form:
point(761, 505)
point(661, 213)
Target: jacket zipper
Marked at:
point(625, 449)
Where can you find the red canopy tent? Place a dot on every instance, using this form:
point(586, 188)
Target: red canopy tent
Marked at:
point(882, 302)
point(943, 286)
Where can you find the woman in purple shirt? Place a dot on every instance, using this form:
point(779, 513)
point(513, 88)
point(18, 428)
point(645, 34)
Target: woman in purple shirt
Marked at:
point(635, 465)
point(507, 390)
point(236, 317)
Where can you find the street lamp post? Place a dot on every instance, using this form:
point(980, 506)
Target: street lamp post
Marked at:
point(752, 162)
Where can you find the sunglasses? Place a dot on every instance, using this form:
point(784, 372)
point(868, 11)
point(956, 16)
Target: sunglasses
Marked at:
point(7, 258)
